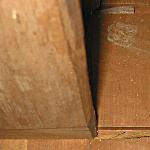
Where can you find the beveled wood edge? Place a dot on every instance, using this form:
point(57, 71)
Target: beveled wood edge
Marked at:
point(65, 133)
point(66, 11)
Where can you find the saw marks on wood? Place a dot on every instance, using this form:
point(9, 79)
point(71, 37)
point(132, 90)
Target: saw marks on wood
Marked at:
point(58, 145)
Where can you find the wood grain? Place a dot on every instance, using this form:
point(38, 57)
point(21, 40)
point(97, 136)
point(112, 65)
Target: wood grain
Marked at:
point(137, 2)
point(124, 68)
point(74, 34)
point(13, 144)
point(138, 144)
point(43, 71)
point(132, 144)
point(58, 144)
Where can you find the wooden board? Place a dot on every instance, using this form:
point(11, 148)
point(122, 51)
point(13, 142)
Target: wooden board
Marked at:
point(58, 144)
point(132, 144)
point(13, 144)
point(58, 133)
point(124, 66)
point(123, 133)
point(139, 2)
point(43, 71)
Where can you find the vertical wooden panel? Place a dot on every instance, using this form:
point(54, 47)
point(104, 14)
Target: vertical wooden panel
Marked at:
point(124, 91)
point(43, 72)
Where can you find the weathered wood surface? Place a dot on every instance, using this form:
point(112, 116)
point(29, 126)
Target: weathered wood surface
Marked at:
point(43, 72)
point(124, 68)
point(132, 144)
point(58, 133)
point(13, 144)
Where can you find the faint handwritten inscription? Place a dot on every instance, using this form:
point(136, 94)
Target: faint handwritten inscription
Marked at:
point(122, 34)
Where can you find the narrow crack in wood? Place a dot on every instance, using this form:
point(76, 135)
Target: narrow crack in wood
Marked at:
point(124, 135)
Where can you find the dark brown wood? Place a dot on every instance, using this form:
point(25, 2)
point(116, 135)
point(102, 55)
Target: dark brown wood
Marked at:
point(124, 68)
point(123, 133)
point(43, 71)
point(58, 133)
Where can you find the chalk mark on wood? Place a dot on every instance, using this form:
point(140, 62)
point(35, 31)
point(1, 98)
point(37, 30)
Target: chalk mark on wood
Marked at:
point(124, 35)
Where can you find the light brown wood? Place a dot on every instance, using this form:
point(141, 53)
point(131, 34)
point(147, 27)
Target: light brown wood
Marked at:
point(13, 144)
point(132, 144)
point(123, 133)
point(139, 2)
point(138, 144)
point(43, 71)
point(58, 145)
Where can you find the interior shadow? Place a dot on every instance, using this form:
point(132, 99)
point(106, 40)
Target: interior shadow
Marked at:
point(92, 30)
